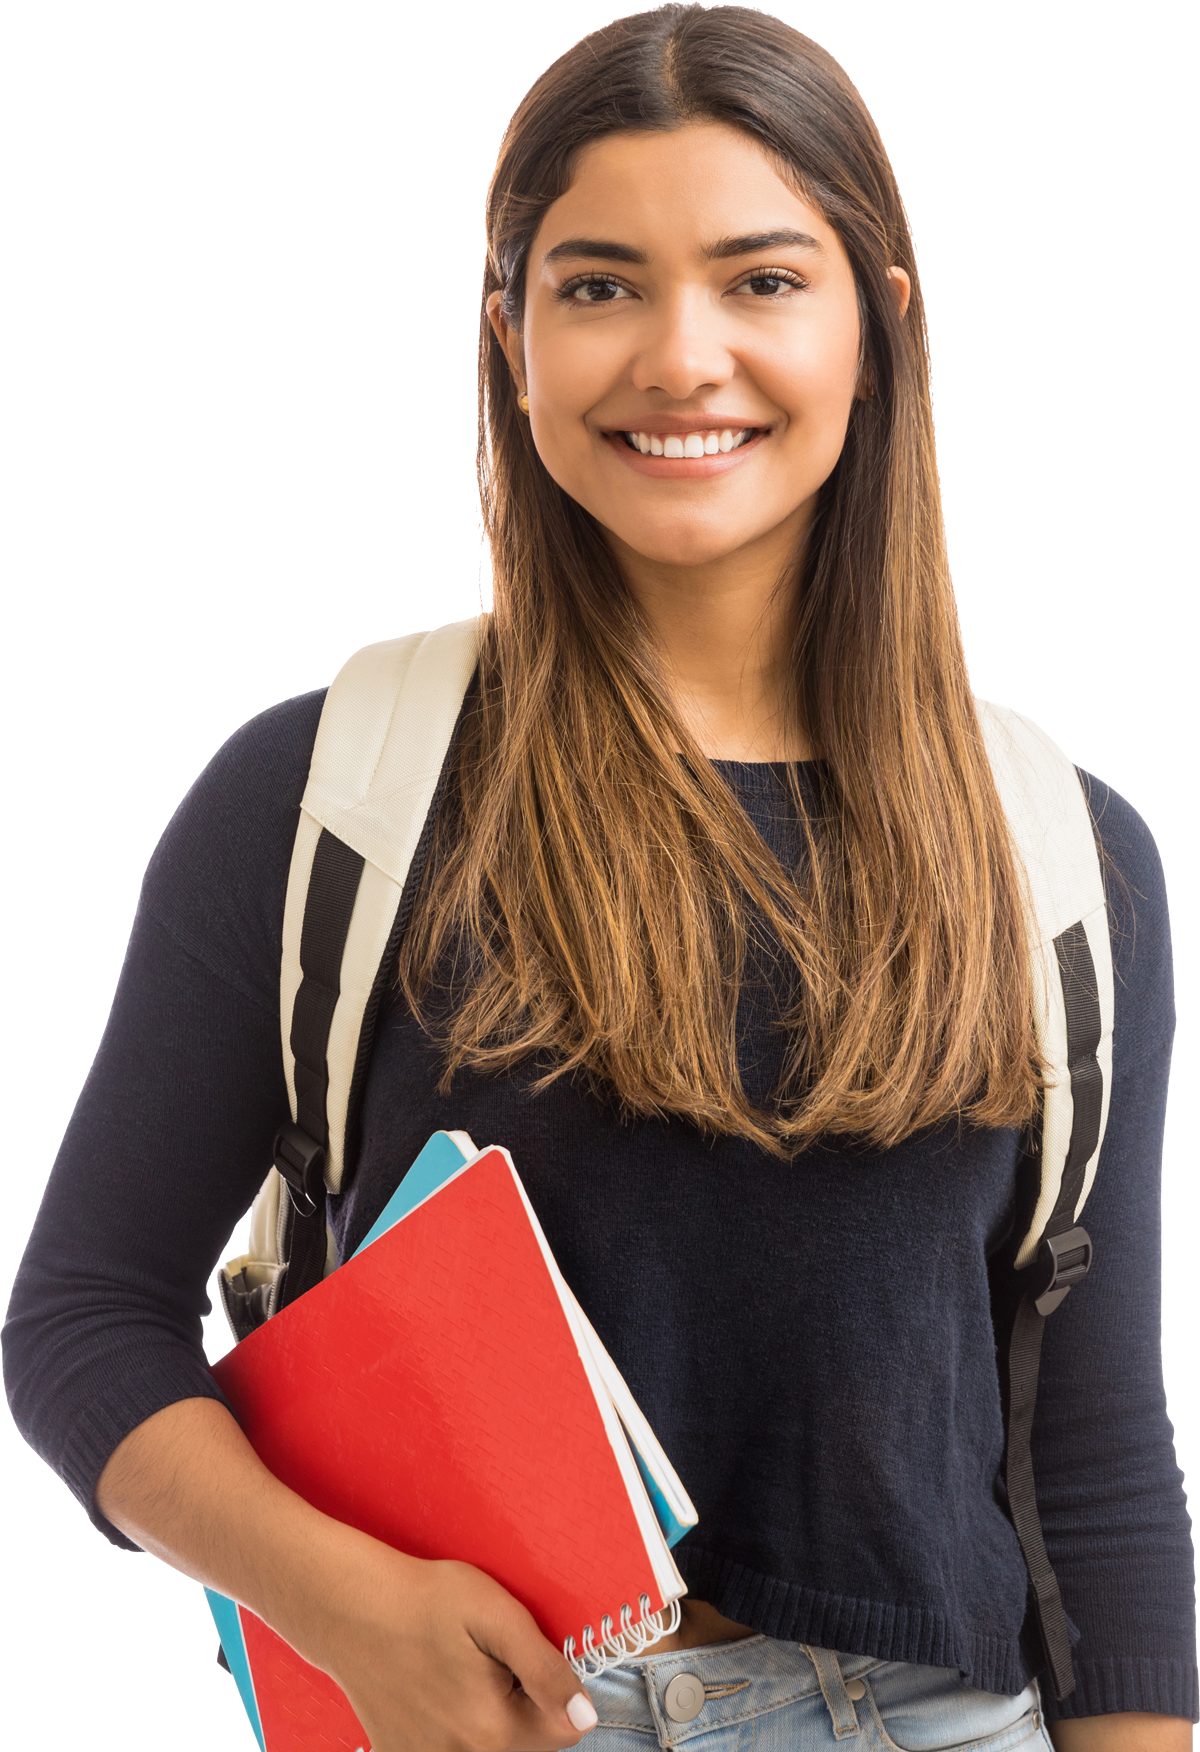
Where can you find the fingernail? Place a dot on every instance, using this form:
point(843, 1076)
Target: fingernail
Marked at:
point(581, 1713)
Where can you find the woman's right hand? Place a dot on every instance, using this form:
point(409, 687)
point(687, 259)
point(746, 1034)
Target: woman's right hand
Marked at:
point(437, 1657)
point(434, 1657)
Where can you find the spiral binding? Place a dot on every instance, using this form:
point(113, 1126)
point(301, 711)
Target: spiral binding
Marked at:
point(613, 1648)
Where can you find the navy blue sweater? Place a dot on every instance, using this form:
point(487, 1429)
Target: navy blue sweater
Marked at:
point(813, 1341)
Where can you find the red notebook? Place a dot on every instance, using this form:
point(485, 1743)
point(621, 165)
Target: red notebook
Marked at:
point(439, 1391)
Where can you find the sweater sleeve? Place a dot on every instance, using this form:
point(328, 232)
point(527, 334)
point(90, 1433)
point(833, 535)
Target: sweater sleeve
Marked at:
point(1109, 1491)
point(172, 1133)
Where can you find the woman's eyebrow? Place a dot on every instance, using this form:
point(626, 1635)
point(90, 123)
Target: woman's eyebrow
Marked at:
point(594, 249)
point(754, 242)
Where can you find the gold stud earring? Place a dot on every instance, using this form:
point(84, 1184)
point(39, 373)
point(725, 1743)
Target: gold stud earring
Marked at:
point(523, 403)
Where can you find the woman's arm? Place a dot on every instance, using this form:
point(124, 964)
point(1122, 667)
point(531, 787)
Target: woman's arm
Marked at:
point(1109, 1490)
point(426, 1652)
point(172, 1133)
point(103, 1358)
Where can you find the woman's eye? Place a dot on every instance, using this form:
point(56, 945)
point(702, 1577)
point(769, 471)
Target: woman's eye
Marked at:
point(770, 285)
point(597, 290)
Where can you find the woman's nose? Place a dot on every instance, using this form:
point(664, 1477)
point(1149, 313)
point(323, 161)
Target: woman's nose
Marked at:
point(683, 348)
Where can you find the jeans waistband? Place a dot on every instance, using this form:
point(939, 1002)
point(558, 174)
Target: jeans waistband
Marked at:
point(827, 1699)
point(738, 1679)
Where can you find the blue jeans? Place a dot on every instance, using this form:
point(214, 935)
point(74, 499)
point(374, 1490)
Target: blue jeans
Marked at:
point(761, 1695)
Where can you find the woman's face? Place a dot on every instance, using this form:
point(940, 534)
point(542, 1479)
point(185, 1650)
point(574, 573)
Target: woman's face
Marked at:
point(690, 344)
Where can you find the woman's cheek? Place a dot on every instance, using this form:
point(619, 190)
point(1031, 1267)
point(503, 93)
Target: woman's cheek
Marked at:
point(564, 445)
point(570, 372)
point(813, 380)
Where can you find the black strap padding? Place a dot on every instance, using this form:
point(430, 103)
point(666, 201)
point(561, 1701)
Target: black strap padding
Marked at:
point(1081, 995)
point(328, 908)
point(386, 974)
point(1025, 1348)
point(303, 1249)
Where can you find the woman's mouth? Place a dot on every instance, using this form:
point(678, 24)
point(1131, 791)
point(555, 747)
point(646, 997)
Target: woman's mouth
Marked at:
point(709, 441)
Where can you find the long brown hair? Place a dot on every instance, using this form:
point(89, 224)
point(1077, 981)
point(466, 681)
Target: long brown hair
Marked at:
point(595, 890)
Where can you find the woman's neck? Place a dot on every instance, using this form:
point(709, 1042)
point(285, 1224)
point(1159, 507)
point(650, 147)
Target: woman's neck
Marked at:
point(725, 630)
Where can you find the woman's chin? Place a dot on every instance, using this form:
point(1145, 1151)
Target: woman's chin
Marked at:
point(682, 547)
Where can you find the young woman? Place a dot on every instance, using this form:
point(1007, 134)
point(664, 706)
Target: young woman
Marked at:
point(721, 911)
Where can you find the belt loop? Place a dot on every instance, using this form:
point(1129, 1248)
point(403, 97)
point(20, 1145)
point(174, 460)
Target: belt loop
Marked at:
point(833, 1690)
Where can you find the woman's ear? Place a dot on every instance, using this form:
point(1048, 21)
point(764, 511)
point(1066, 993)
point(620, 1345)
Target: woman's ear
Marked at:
point(901, 287)
point(901, 290)
point(508, 338)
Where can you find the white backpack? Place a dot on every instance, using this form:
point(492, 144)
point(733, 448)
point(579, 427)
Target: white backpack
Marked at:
point(378, 772)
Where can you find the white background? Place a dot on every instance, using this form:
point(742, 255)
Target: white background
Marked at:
point(242, 250)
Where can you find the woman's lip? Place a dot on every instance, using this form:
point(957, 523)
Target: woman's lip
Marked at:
point(684, 468)
point(678, 426)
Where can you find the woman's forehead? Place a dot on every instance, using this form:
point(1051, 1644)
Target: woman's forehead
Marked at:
point(706, 182)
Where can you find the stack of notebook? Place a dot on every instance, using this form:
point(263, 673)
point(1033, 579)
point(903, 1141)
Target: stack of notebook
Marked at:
point(444, 1392)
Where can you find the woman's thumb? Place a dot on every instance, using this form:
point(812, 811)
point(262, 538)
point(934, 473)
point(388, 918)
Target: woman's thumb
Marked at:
point(547, 1679)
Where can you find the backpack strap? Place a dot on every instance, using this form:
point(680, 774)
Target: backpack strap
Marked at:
point(1070, 962)
point(1072, 978)
point(378, 771)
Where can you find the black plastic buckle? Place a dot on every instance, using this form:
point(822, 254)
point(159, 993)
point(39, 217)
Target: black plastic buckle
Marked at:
point(301, 1161)
point(1062, 1260)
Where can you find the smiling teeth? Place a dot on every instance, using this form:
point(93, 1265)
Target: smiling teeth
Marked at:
point(690, 444)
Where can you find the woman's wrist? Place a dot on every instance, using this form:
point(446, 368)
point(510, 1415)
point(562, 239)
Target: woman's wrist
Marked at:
point(187, 1486)
point(322, 1585)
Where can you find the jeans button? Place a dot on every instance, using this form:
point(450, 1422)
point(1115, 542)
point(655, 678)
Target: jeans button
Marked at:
point(855, 1689)
point(684, 1698)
